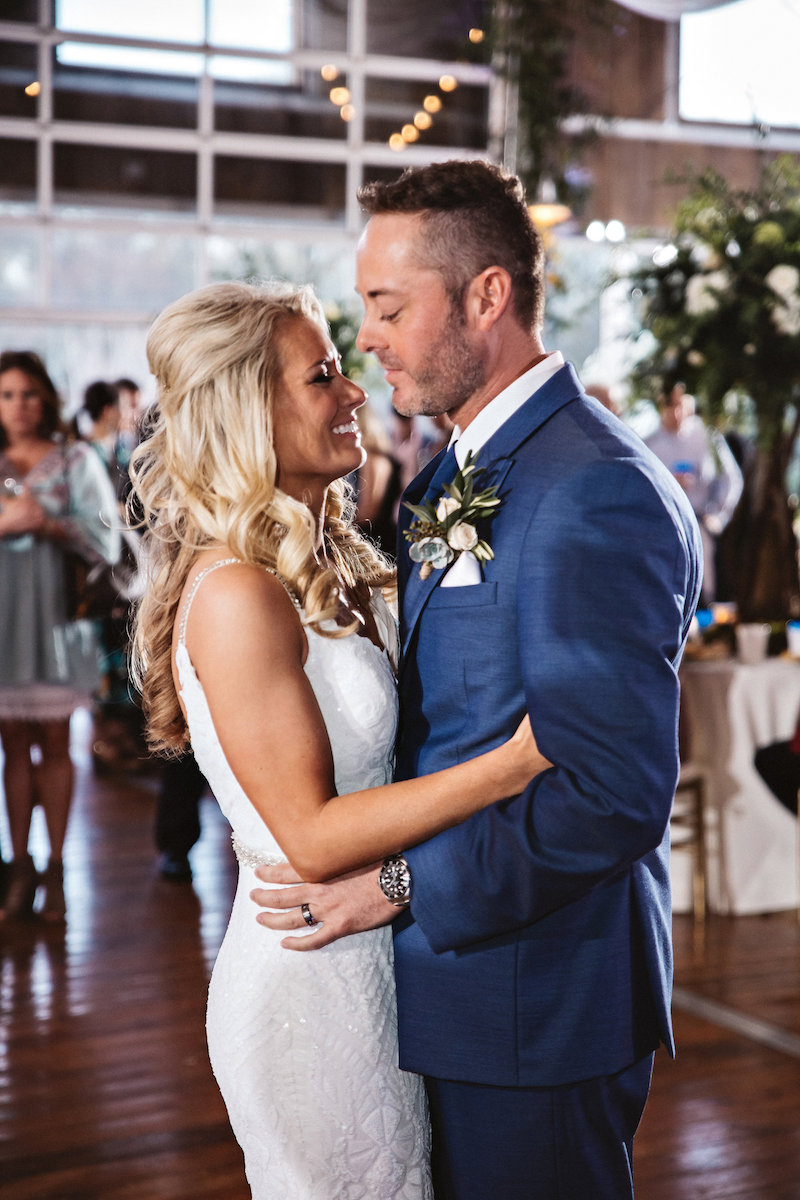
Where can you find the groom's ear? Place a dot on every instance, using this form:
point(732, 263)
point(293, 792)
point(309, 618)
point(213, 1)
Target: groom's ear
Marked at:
point(488, 297)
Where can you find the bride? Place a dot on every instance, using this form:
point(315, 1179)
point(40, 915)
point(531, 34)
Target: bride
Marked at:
point(264, 640)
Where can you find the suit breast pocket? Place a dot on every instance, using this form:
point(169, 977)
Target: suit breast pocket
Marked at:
point(473, 595)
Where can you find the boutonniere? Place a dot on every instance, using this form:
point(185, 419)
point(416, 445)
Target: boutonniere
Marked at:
point(445, 528)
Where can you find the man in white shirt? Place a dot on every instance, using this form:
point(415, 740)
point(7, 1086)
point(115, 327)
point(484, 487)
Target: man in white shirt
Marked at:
point(702, 462)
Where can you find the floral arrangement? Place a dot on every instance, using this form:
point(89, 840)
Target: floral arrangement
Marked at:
point(720, 305)
point(445, 529)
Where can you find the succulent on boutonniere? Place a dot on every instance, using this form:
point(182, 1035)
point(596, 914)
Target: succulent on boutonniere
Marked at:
point(446, 528)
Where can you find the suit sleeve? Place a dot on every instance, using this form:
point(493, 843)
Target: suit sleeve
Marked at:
point(606, 586)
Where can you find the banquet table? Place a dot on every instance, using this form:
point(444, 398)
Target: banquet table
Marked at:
point(731, 709)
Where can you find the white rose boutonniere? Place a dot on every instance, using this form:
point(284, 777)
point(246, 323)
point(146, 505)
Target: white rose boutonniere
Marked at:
point(442, 530)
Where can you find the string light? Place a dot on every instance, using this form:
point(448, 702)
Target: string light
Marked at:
point(448, 83)
point(409, 133)
point(340, 96)
point(329, 72)
point(432, 104)
point(33, 89)
point(423, 120)
point(396, 142)
point(476, 36)
point(347, 112)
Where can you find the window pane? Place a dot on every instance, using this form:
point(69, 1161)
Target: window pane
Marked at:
point(739, 64)
point(19, 268)
point(323, 24)
point(18, 71)
point(18, 176)
point(113, 176)
point(284, 189)
point(120, 272)
point(419, 29)
point(158, 62)
point(326, 264)
point(155, 20)
point(124, 98)
point(304, 110)
point(21, 10)
point(251, 70)
point(253, 24)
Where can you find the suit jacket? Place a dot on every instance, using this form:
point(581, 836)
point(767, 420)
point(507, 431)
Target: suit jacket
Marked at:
point(537, 949)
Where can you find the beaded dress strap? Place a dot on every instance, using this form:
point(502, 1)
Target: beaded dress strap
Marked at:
point(225, 562)
point(198, 579)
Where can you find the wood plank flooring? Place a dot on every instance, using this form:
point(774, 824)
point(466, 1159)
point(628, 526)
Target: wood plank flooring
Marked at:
point(105, 1088)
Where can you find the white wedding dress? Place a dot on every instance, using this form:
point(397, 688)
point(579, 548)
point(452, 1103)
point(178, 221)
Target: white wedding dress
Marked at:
point(304, 1045)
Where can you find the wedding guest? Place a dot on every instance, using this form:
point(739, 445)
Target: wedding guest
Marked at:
point(701, 461)
point(57, 497)
point(101, 405)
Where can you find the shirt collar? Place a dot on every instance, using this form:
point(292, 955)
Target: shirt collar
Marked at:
point(503, 406)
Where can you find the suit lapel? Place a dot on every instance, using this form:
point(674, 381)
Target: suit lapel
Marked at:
point(496, 458)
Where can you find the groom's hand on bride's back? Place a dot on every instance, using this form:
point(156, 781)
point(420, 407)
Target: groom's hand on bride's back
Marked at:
point(349, 904)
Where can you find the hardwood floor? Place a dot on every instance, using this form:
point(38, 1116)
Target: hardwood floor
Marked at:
point(105, 1088)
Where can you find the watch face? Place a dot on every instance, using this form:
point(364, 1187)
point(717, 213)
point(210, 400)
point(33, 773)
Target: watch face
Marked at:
point(395, 880)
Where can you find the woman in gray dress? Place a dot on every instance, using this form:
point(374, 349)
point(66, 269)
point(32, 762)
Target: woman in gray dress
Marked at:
point(54, 497)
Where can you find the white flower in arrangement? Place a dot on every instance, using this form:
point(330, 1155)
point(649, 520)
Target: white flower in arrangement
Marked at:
point(700, 292)
point(462, 536)
point(786, 318)
point(784, 281)
point(446, 506)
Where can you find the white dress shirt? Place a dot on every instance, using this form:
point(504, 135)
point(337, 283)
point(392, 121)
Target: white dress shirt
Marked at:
point(466, 569)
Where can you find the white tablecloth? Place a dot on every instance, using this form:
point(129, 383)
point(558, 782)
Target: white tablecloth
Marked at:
point(731, 710)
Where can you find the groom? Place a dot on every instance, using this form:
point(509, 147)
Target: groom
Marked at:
point(532, 942)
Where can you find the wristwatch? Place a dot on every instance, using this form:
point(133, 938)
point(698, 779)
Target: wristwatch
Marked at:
point(394, 880)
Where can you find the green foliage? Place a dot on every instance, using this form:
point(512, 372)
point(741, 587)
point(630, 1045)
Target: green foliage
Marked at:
point(721, 307)
point(532, 44)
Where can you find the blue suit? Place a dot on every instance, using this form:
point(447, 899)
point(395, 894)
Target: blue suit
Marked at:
point(537, 950)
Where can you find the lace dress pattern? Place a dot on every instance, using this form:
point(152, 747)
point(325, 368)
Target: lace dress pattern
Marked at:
point(304, 1046)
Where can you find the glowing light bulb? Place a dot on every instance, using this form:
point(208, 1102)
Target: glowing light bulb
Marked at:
point(347, 112)
point(339, 96)
point(423, 120)
point(396, 142)
point(448, 83)
point(432, 104)
point(409, 133)
point(329, 72)
point(476, 36)
point(33, 89)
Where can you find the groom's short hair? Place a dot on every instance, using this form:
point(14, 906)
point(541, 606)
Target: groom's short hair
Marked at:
point(475, 216)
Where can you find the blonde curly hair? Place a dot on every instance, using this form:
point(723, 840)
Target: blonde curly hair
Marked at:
point(206, 475)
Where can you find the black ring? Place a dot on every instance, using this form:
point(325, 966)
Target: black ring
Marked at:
point(307, 916)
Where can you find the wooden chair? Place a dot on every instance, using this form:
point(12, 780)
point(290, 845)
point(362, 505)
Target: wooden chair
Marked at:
point(687, 830)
